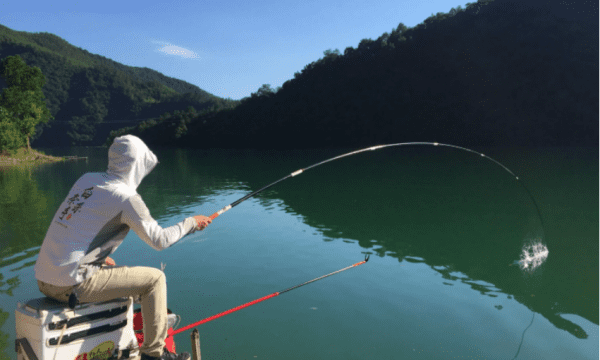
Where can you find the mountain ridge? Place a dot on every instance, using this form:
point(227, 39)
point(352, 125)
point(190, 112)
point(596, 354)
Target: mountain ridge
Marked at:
point(85, 92)
point(498, 72)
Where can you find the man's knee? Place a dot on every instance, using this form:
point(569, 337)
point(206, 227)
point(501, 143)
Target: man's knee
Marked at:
point(155, 281)
point(158, 276)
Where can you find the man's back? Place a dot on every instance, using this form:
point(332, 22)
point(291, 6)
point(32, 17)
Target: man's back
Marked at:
point(87, 227)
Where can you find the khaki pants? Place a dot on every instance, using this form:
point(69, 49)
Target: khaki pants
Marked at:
point(114, 282)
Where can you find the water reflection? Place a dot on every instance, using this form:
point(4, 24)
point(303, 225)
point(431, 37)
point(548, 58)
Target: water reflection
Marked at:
point(523, 336)
point(8, 285)
point(461, 217)
point(471, 219)
point(23, 208)
point(3, 337)
point(23, 215)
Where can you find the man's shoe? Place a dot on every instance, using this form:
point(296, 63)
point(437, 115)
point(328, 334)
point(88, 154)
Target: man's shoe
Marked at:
point(167, 355)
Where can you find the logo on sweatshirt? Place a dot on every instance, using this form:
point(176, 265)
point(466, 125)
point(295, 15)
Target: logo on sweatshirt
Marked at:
point(75, 202)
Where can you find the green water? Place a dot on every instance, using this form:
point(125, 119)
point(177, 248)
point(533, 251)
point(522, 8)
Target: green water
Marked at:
point(444, 229)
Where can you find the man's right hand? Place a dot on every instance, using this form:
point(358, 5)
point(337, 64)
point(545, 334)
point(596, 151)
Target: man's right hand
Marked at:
point(202, 221)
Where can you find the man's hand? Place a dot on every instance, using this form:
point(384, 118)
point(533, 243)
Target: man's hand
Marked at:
point(110, 261)
point(202, 221)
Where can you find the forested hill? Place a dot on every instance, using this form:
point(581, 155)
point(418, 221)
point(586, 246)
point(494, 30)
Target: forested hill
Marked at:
point(495, 73)
point(90, 95)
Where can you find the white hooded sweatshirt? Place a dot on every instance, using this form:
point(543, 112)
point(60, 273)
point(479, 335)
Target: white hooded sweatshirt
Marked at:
point(97, 215)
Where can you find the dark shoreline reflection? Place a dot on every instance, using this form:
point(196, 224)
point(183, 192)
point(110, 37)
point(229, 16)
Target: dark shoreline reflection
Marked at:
point(449, 210)
point(455, 212)
point(24, 214)
point(458, 213)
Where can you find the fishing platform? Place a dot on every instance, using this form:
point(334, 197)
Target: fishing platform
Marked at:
point(47, 329)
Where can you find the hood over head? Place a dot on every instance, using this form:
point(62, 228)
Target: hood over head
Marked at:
point(130, 160)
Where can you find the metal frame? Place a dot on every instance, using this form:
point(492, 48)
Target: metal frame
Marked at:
point(23, 347)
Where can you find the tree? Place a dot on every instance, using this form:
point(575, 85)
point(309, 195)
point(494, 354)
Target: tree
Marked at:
point(401, 28)
point(331, 53)
point(264, 90)
point(23, 99)
point(10, 136)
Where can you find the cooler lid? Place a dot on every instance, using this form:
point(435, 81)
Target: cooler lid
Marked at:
point(46, 303)
point(49, 304)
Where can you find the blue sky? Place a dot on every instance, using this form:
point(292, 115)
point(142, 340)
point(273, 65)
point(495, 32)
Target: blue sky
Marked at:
point(226, 47)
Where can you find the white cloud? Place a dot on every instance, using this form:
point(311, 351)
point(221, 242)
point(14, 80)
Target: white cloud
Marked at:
point(171, 49)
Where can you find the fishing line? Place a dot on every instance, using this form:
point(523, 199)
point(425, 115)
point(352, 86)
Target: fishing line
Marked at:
point(523, 335)
point(372, 148)
point(533, 254)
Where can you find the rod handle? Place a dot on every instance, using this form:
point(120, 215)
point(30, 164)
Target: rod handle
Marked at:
point(214, 216)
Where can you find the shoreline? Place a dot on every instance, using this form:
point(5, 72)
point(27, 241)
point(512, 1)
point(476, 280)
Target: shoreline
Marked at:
point(25, 157)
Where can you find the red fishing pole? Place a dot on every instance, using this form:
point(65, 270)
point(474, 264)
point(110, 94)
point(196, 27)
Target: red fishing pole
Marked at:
point(262, 299)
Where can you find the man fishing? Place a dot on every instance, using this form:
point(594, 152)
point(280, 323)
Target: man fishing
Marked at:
point(89, 226)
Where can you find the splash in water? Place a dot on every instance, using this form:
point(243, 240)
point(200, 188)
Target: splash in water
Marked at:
point(533, 255)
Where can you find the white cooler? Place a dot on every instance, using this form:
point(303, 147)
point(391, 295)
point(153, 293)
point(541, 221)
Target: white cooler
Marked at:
point(94, 331)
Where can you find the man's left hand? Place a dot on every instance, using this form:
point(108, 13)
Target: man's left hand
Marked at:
point(109, 261)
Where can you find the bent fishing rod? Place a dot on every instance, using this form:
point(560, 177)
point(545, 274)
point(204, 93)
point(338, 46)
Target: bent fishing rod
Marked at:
point(211, 318)
point(372, 148)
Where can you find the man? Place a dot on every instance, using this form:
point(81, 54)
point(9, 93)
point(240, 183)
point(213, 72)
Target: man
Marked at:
point(92, 222)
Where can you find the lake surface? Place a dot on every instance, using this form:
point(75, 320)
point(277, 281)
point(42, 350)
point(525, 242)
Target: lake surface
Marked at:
point(445, 229)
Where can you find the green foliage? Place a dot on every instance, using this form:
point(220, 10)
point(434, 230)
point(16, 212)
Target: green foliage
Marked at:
point(90, 95)
point(181, 130)
point(22, 100)
point(264, 90)
point(10, 136)
point(169, 128)
point(331, 54)
point(494, 73)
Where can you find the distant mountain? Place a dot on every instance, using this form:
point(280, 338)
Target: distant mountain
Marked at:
point(505, 72)
point(90, 95)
